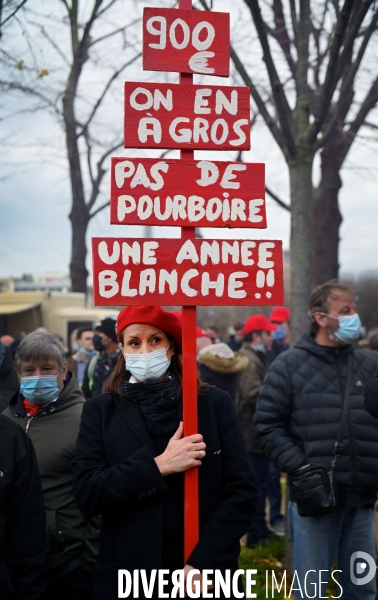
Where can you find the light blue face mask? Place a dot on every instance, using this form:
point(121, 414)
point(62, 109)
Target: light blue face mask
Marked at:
point(75, 347)
point(349, 328)
point(87, 352)
point(279, 334)
point(260, 347)
point(40, 389)
point(147, 367)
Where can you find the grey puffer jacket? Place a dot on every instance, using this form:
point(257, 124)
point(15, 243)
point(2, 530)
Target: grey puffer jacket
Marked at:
point(299, 411)
point(72, 537)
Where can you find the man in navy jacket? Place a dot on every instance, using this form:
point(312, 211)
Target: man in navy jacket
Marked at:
point(23, 545)
point(297, 423)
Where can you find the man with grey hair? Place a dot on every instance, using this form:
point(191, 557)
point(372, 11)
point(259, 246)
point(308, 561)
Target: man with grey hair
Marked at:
point(48, 407)
point(310, 417)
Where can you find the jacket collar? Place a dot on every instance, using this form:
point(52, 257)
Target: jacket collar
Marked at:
point(133, 417)
point(330, 353)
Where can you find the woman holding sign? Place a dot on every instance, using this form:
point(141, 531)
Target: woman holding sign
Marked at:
point(130, 464)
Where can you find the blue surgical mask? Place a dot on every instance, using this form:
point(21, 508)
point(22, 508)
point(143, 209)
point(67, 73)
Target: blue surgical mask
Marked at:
point(75, 347)
point(349, 328)
point(40, 389)
point(87, 352)
point(279, 334)
point(147, 367)
point(260, 347)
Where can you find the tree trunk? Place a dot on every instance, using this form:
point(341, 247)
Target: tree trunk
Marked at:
point(327, 217)
point(300, 171)
point(79, 216)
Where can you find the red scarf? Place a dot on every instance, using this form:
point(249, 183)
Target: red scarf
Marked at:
point(31, 409)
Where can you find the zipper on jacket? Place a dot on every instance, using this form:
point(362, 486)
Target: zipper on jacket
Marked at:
point(28, 424)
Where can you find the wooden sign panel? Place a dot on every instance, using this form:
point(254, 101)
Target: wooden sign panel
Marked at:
point(187, 193)
point(203, 117)
point(187, 272)
point(186, 41)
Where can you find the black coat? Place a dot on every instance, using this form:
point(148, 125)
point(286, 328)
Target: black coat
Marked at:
point(9, 383)
point(115, 475)
point(23, 545)
point(299, 412)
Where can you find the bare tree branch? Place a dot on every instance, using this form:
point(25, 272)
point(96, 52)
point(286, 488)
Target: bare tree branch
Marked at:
point(274, 196)
point(9, 85)
point(280, 100)
point(108, 35)
point(347, 87)
point(13, 13)
point(101, 97)
point(335, 62)
point(261, 105)
point(281, 35)
point(53, 44)
point(99, 209)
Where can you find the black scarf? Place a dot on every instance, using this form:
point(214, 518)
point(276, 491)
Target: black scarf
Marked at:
point(157, 402)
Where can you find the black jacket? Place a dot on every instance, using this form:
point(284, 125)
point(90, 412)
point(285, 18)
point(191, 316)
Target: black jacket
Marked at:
point(115, 475)
point(8, 377)
point(53, 430)
point(371, 395)
point(23, 546)
point(299, 412)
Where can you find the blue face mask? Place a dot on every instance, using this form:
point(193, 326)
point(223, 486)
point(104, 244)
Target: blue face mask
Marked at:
point(147, 367)
point(75, 347)
point(87, 352)
point(259, 348)
point(279, 334)
point(349, 328)
point(40, 389)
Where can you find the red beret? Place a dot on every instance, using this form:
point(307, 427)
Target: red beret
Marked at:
point(201, 332)
point(151, 315)
point(280, 314)
point(258, 323)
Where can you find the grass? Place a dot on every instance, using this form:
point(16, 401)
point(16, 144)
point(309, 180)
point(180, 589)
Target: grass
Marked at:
point(271, 557)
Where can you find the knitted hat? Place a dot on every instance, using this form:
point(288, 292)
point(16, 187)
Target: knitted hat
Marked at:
point(280, 314)
point(258, 323)
point(151, 315)
point(107, 326)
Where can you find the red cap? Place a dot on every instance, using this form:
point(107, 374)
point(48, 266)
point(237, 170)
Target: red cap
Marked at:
point(258, 323)
point(280, 314)
point(178, 313)
point(201, 332)
point(151, 315)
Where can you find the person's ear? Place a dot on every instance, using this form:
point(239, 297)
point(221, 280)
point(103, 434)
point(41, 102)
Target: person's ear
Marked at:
point(320, 319)
point(64, 371)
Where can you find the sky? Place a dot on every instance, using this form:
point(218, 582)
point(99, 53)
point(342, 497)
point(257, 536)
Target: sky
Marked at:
point(35, 190)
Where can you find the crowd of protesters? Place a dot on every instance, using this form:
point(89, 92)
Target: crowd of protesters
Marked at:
point(302, 405)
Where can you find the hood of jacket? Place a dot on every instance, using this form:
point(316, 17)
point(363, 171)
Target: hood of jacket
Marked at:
point(307, 342)
point(224, 365)
point(6, 360)
point(71, 394)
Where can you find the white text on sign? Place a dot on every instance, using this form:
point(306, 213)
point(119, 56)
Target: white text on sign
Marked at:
point(173, 271)
point(186, 193)
point(161, 115)
point(186, 41)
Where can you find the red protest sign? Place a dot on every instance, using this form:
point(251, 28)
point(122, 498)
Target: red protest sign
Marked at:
point(165, 115)
point(187, 193)
point(187, 272)
point(186, 41)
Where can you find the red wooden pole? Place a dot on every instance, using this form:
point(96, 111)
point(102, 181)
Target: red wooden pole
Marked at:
point(189, 363)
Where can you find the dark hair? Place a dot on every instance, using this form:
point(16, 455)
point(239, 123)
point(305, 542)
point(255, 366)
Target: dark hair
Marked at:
point(214, 327)
point(249, 336)
point(239, 325)
point(319, 299)
point(81, 330)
